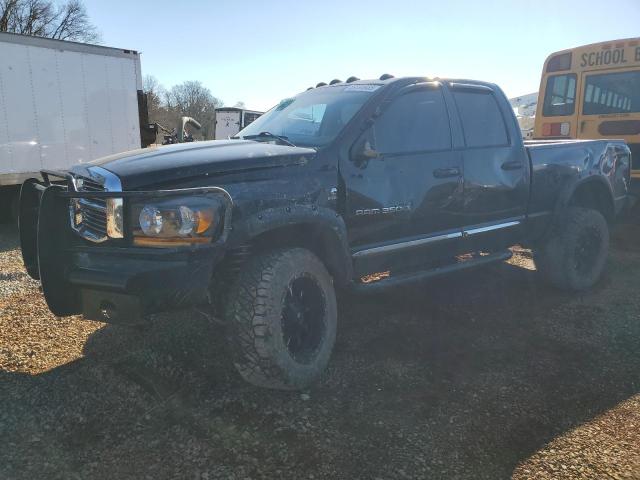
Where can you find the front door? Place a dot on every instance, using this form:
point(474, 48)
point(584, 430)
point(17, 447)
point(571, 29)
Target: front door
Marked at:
point(404, 184)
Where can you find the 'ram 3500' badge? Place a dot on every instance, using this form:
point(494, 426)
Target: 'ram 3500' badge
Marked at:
point(383, 210)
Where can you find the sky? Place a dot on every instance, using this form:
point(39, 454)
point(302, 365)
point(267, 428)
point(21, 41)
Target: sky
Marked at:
point(259, 52)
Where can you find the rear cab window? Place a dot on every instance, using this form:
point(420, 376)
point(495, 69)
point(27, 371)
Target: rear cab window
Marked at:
point(482, 121)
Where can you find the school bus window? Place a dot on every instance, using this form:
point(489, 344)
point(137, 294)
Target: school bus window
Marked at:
point(588, 96)
point(617, 93)
point(560, 95)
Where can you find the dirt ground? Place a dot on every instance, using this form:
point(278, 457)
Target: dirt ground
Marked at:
point(482, 375)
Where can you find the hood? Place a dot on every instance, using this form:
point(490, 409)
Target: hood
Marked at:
point(174, 163)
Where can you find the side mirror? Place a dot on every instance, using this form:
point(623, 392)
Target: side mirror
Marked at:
point(369, 152)
point(362, 152)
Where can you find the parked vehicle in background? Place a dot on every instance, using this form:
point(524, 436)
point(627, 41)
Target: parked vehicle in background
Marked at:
point(524, 108)
point(230, 120)
point(592, 92)
point(364, 184)
point(62, 104)
point(179, 134)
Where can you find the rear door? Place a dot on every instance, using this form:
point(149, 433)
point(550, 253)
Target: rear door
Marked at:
point(496, 169)
point(403, 203)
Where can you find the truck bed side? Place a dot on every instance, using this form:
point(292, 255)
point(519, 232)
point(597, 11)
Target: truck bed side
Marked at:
point(560, 168)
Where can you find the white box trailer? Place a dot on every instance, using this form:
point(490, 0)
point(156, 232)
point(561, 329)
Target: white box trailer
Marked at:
point(63, 103)
point(230, 120)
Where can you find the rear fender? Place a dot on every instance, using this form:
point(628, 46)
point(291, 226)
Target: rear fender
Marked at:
point(594, 181)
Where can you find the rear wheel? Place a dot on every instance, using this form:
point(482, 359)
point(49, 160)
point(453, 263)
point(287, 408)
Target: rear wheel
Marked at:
point(282, 317)
point(574, 254)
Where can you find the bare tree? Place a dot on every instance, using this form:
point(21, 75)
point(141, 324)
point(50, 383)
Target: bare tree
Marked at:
point(240, 104)
point(158, 111)
point(47, 18)
point(189, 99)
point(192, 99)
point(155, 92)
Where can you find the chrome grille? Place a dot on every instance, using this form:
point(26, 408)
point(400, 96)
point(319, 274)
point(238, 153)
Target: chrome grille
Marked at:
point(89, 215)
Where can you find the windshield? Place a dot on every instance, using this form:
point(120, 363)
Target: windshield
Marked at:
point(313, 118)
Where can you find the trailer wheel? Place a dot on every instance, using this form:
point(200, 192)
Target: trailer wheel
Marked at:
point(282, 319)
point(15, 206)
point(574, 254)
point(10, 200)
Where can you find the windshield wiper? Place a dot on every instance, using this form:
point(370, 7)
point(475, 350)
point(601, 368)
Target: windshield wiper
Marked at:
point(281, 138)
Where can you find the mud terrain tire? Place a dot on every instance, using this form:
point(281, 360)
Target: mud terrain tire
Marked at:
point(574, 254)
point(282, 314)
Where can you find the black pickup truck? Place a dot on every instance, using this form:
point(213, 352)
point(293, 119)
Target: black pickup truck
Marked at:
point(359, 185)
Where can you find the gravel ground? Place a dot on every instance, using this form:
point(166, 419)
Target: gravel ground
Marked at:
point(482, 375)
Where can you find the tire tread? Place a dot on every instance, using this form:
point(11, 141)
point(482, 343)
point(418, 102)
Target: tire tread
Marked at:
point(246, 312)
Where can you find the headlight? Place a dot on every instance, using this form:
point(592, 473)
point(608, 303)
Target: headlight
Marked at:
point(150, 220)
point(176, 221)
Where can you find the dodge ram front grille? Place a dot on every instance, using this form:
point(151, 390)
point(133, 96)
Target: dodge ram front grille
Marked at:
point(89, 215)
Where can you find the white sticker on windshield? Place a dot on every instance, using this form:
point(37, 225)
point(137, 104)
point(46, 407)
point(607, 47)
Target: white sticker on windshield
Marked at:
point(361, 88)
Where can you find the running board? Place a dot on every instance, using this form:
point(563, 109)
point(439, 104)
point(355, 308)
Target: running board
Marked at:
point(413, 277)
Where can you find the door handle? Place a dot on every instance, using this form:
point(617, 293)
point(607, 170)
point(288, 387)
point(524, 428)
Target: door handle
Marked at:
point(446, 172)
point(513, 165)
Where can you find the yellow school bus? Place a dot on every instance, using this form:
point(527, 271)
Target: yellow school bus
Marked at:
point(592, 92)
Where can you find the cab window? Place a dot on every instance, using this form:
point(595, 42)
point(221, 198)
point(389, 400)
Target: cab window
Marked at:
point(482, 122)
point(560, 95)
point(414, 122)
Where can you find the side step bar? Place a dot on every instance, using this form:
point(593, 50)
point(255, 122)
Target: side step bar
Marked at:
point(412, 277)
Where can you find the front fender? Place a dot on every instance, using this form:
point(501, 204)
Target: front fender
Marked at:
point(323, 222)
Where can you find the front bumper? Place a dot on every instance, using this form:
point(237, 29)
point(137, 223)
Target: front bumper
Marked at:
point(124, 286)
point(116, 283)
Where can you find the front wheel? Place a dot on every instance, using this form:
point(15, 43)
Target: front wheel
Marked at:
point(282, 317)
point(574, 254)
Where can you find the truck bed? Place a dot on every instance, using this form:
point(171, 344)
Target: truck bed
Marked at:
point(556, 163)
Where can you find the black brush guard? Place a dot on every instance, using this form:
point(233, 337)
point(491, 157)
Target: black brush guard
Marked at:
point(50, 249)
